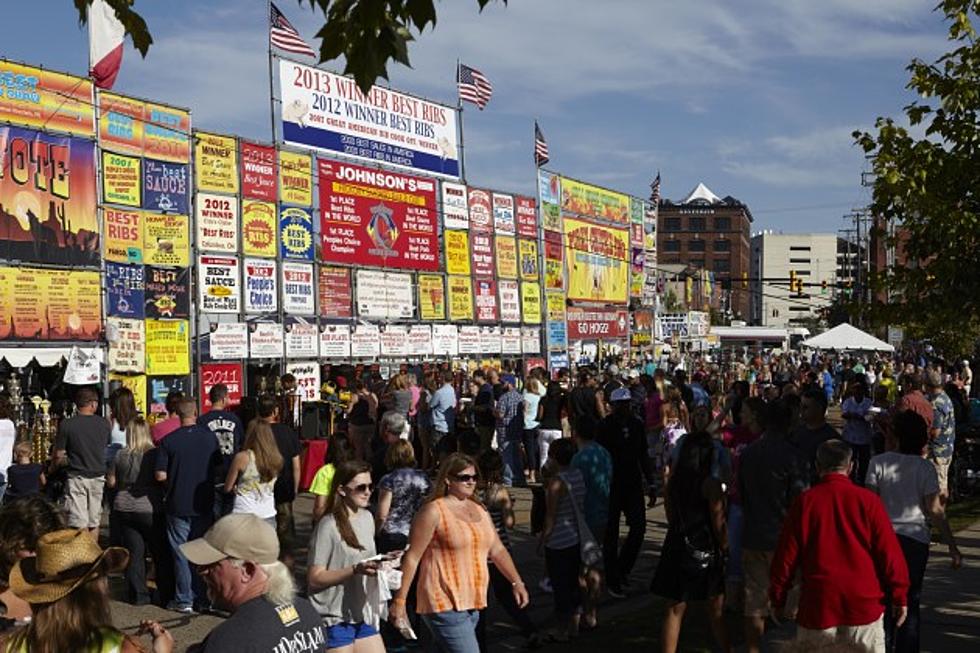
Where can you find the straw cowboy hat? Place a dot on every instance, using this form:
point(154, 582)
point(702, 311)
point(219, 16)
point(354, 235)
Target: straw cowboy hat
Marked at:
point(65, 560)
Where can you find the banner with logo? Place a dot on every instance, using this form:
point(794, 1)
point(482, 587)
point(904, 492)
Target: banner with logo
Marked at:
point(165, 186)
point(44, 304)
point(506, 250)
point(47, 197)
point(528, 259)
point(549, 191)
point(485, 291)
point(481, 253)
point(527, 217)
point(531, 302)
point(432, 297)
point(460, 298)
point(265, 340)
point(218, 280)
point(598, 262)
point(296, 233)
point(121, 179)
point(228, 340)
point(307, 376)
point(143, 128)
point(261, 286)
point(503, 214)
point(510, 301)
point(166, 240)
point(298, 293)
point(384, 295)
point(217, 223)
point(379, 218)
point(168, 293)
point(394, 341)
point(167, 347)
point(480, 209)
point(469, 340)
point(641, 333)
point(123, 235)
point(455, 212)
point(457, 245)
point(259, 228)
point(126, 344)
point(445, 340)
point(490, 340)
point(420, 340)
point(227, 374)
point(335, 341)
point(325, 111)
point(589, 324)
point(258, 171)
point(531, 340)
point(302, 340)
point(365, 341)
point(296, 178)
point(557, 328)
point(510, 340)
point(637, 273)
point(45, 99)
point(336, 292)
point(160, 387)
point(554, 266)
point(595, 203)
point(216, 163)
point(124, 288)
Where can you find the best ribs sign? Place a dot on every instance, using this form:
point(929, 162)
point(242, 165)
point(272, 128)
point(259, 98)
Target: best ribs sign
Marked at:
point(377, 218)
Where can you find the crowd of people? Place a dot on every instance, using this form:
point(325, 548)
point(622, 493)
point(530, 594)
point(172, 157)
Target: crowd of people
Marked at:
point(771, 511)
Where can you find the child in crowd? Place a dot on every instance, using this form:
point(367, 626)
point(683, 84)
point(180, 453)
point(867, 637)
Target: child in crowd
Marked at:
point(24, 478)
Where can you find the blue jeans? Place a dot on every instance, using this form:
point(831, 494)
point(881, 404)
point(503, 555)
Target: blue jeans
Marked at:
point(906, 638)
point(454, 632)
point(735, 521)
point(510, 451)
point(190, 587)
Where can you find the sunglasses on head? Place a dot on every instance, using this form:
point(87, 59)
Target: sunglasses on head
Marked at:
point(466, 478)
point(363, 487)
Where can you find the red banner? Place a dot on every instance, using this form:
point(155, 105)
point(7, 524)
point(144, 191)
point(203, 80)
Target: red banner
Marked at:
point(375, 217)
point(259, 172)
point(527, 217)
point(596, 325)
point(485, 292)
point(481, 210)
point(228, 373)
point(335, 292)
point(481, 253)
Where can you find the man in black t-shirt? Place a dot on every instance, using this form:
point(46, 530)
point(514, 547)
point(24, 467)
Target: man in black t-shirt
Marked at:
point(287, 483)
point(585, 405)
point(81, 446)
point(484, 421)
point(228, 431)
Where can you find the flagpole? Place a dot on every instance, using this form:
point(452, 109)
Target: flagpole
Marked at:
point(459, 108)
point(272, 96)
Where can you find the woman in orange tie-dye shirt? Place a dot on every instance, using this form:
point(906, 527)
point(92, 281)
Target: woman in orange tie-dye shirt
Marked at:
point(451, 540)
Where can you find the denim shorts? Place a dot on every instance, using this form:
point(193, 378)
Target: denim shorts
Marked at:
point(344, 634)
point(454, 630)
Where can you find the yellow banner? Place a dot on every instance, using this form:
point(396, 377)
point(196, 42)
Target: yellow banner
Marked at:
point(166, 240)
point(121, 179)
point(137, 384)
point(457, 251)
point(167, 347)
point(531, 302)
point(45, 304)
point(432, 297)
point(555, 300)
point(527, 250)
point(591, 201)
point(296, 178)
point(216, 163)
point(135, 127)
point(506, 247)
point(123, 235)
point(597, 261)
point(460, 298)
point(44, 99)
point(259, 228)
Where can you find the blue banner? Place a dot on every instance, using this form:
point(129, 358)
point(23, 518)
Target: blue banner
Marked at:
point(165, 186)
point(124, 290)
point(296, 233)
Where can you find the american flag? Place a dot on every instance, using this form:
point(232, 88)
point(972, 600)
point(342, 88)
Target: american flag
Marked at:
point(655, 191)
point(473, 86)
point(540, 147)
point(284, 36)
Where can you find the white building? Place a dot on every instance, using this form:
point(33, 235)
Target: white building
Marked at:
point(775, 258)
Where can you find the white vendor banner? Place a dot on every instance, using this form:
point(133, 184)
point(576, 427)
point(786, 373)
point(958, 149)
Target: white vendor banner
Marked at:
point(266, 340)
point(219, 282)
point(302, 340)
point(217, 223)
point(455, 207)
point(335, 341)
point(531, 340)
point(307, 375)
point(365, 341)
point(510, 341)
point(445, 340)
point(394, 341)
point(490, 340)
point(503, 214)
point(298, 288)
point(469, 340)
point(510, 301)
point(228, 341)
point(385, 295)
point(127, 348)
point(420, 340)
point(261, 286)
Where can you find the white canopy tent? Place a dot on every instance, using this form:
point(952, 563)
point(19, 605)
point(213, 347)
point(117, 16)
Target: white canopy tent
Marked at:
point(847, 337)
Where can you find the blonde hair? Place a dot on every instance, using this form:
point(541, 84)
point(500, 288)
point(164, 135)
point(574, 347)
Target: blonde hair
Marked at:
point(260, 441)
point(138, 438)
point(532, 385)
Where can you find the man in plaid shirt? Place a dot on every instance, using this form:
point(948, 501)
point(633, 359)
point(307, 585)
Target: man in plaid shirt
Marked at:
point(510, 429)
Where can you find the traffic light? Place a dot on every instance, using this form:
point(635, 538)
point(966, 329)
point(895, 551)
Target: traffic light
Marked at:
point(745, 280)
point(823, 287)
point(795, 283)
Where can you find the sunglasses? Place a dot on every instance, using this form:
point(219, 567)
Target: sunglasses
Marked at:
point(363, 487)
point(466, 478)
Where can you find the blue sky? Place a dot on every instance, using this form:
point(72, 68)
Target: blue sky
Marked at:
point(756, 99)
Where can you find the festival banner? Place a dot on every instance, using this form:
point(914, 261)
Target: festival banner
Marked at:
point(457, 251)
point(485, 291)
point(597, 324)
point(650, 227)
point(557, 330)
point(216, 163)
point(365, 341)
point(302, 340)
point(531, 302)
point(120, 123)
point(167, 133)
point(227, 374)
point(126, 337)
point(335, 341)
point(123, 235)
point(641, 333)
point(510, 340)
point(165, 186)
point(136, 383)
point(265, 340)
point(420, 340)
point(595, 203)
point(481, 253)
point(168, 293)
point(527, 217)
point(598, 262)
point(637, 275)
point(307, 375)
point(124, 287)
point(144, 129)
point(217, 223)
point(44, 99)
point(510, 301)
point(549, 191)
point(445, 340)
point(44, 304)
point(531, 340)
point(490, 340)
point(296, 233)
point(460, 298)
point(554, 267)
point(480, 209)
point(259, 228)
point(258, 171)
point(160, 387)
point(373, 217)
point(506, 247)
point(328, 112)
point(528, 258)
point(261, 286)
point(503, 214)
point(469, 340)
point(296, 178)
point(166, 240)
point(121, 179)
point(384, 295)
point(228, 341)
point(167, 347)
point(298, 292)
point(432, 297)
point(218, 279)
point(394, 341)
point(47, 198)
point(455, 213)
point(336, 292)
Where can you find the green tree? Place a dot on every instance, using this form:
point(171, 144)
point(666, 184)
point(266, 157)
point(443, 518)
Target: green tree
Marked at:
point(928, 189)
point(367, 33)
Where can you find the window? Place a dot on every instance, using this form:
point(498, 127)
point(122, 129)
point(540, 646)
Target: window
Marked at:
point(797, 309)
point(672, 224)
point(696, 224)
point(697, 263)
point(799, 248)
point(695, 245)
point(672, 245)
point(723, 224)
point(723, 265)
point(802, 273)
point(799, 260)
point(724, 246)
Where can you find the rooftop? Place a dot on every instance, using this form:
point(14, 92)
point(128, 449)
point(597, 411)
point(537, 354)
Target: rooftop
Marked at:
point(701, 195)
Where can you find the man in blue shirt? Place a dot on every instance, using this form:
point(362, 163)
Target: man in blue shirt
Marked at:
point(942, 435)
point(228, 431)
point(510, 431)
point(443, 408)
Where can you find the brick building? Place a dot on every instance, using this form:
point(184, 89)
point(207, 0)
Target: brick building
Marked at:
point(708, 232)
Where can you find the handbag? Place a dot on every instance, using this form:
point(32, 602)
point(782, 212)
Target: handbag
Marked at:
point(695, 559)
point(589, 550)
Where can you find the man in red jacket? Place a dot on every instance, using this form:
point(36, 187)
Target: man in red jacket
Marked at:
point(840, 538)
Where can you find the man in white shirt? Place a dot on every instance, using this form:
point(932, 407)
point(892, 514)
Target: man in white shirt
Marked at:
point(857, 428)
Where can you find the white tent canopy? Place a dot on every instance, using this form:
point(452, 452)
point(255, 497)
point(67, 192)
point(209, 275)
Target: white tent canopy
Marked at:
point(846, 337)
